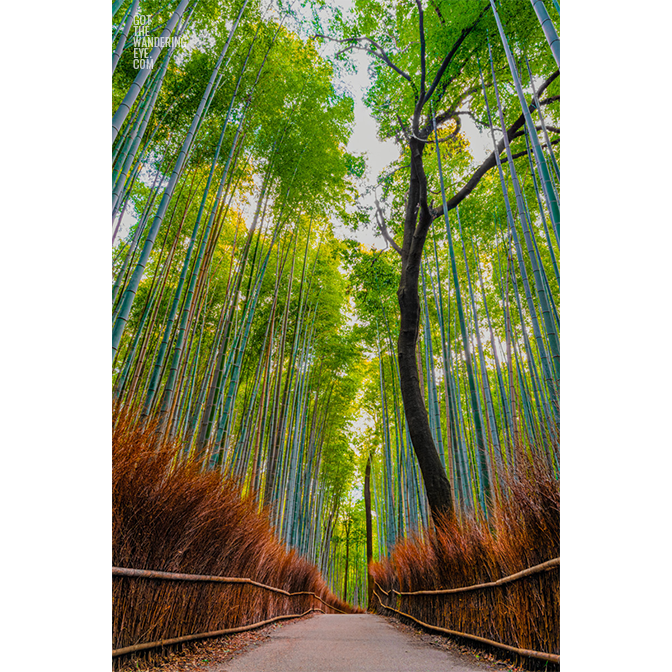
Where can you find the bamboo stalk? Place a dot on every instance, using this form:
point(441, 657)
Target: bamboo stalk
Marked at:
point(122, 40)
point(546, 365)
point(548, 28)
point(485, 476)
point(129, 294)
point(141, 77)
point(553, 205)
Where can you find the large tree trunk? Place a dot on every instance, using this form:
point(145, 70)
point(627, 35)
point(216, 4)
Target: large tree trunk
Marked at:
point(438, 489)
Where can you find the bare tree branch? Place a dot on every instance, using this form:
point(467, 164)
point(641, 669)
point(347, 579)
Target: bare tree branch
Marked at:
point(423, 62)
point(517, 155)
point(449, 113)
point(446, 61)
point(404, 129)
point(438, 12)
point(441, 91)
point(520, 134)
point(490, 161)
point(469, 113)
point(382, 178)
point(380, 220)
point(551, 99)
point(377, 51)
point(452, 136)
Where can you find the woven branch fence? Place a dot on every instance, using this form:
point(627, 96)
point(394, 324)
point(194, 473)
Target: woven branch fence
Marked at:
point(512, 613)
point(148, 596)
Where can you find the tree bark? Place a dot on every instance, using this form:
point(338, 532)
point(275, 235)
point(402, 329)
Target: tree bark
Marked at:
point(439, 494)
point(417, 220)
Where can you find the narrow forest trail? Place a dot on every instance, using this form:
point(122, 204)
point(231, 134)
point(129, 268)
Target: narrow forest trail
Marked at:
point(355, 642)
point(299, 415)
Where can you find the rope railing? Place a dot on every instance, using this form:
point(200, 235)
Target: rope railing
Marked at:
point(205, 635)
point(523, 652)
point(543, 567)
point(173, 576)
point(128, 572)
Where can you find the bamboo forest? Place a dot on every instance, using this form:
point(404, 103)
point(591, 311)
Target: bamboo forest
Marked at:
point(327, 377)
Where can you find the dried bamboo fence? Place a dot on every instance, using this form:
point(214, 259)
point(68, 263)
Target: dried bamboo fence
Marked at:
point(164, 592)
point(522, 608)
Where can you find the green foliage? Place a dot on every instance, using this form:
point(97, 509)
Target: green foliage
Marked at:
point(306, 324)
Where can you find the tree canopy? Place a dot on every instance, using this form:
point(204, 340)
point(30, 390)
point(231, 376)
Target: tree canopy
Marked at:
point(292, 358)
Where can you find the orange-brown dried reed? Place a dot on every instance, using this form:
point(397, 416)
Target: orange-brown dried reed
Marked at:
point(175, 517)
point(524, 531)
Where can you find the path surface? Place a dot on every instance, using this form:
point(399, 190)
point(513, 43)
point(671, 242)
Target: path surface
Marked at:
point(353, 643)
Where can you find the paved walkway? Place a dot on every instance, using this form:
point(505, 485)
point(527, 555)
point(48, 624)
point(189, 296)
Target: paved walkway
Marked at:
point(353, 643)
